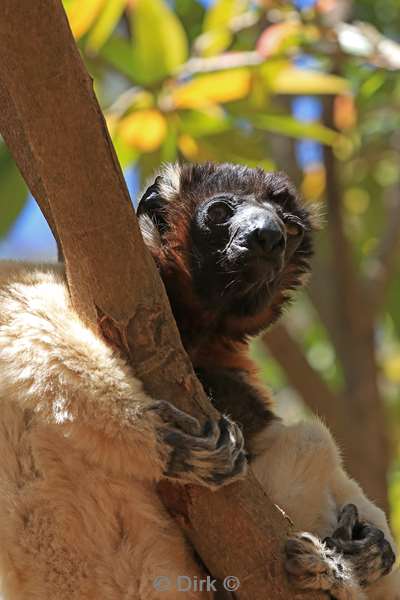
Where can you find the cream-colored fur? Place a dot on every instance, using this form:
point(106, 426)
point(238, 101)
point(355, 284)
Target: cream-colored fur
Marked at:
point(79, 515)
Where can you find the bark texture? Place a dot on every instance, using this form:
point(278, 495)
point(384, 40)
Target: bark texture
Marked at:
point(54, 127)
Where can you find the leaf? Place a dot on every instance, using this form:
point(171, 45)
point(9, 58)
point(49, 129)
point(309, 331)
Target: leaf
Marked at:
point(144, 130)
point(82, 14)
point(118, 52)
point(127, 155)
point(232, 146)
point(291, 127)
point(213, 42)
point(213, 88)
point(13, 191)
point(217, 33)
point(107, 21)
point(276, 37)
point(198, 123)
point(221, 13)
point(160, 43)
point(291, 80)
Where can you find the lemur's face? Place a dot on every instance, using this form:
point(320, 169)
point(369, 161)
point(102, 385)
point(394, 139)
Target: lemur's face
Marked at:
point(240, 234)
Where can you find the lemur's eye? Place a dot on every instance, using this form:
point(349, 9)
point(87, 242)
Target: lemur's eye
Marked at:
point(219, 212)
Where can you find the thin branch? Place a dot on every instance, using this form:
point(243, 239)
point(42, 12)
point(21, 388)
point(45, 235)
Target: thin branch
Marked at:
point(315, 393)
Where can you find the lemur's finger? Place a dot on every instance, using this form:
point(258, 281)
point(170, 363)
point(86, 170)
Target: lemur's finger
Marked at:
point(175, 417)
point(348, 519)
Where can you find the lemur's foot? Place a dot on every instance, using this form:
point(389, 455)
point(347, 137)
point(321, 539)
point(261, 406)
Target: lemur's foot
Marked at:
point(362, 545)
point(312, 565)
point(211, 455)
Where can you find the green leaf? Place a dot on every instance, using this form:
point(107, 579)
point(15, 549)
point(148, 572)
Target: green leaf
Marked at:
point(198, 123)
point(289, 126)
point(221, 13)
point(118, 52)
point(217, 33)
point(105, 24)
point(13, 191)
point(127, 155)
point(235, 146)
point(160, 43)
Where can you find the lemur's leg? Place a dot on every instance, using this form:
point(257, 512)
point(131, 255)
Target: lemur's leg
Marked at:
point(300, 468)
point(54, 366)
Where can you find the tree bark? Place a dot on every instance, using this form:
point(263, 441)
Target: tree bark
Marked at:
point(57, 134)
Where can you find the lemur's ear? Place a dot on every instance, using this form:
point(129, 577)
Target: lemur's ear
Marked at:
point(153, 205)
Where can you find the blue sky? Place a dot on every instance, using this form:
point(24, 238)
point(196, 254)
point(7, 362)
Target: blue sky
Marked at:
point(30, 237)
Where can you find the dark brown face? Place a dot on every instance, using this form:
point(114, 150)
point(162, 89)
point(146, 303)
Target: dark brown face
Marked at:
point(242, 235)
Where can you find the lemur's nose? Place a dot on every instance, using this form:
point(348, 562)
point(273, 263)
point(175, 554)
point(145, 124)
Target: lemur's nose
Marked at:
point(267, 237)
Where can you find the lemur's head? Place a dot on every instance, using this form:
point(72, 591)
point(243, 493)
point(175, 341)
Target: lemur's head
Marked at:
point(230, 242)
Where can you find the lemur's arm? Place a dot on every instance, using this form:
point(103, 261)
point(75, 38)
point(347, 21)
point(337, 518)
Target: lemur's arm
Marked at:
point(301, 469)
point(58, 370)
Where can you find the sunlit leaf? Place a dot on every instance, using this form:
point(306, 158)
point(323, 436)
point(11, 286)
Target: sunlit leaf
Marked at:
point(213, 88)
point(213, 42)
point(314, 182)
point(118, 52)
point(204, 122)
point(291, 80)
point(391, 367)
point(221, 13)
point(160, 43)
point(217, 26)
point(144, 130)
point(108, 19)
point(127, 154)
point(287, 125)
point(233, 146)
point(13, 191)
point(82, 14)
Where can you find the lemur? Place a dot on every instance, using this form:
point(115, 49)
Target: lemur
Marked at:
point(83, 446)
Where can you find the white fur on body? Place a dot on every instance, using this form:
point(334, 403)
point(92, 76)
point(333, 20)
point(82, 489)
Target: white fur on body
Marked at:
point(79, 515)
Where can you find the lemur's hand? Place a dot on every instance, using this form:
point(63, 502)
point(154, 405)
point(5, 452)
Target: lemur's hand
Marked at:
point(312, 565)
point(212, 455)
point(362, 545)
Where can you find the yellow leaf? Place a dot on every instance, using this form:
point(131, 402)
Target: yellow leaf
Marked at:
point(313, 184)
point(106, 23)
point(214, 88)
point(391, 368)
point(291, 80)
point(82, 14)
point(188, 146)
point(144, 130)
point(221, 13)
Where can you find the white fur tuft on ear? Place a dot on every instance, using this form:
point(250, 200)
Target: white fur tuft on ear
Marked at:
point(150, 233)
point(170, 181)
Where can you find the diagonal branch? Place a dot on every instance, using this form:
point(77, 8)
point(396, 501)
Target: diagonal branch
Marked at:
point(111, 275)
point(316, 394)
